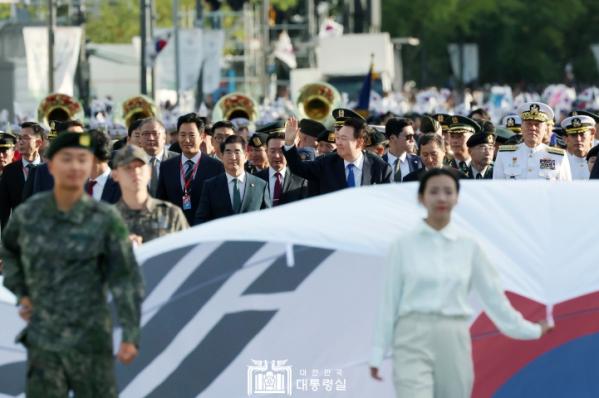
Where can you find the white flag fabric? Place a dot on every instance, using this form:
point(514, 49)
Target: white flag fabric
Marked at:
point(469, 63)
point(284, 299)
point(284, 50)
point(66, 53)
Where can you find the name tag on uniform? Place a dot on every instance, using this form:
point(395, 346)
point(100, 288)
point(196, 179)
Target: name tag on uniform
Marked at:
point(186, 202)
point(547, 164)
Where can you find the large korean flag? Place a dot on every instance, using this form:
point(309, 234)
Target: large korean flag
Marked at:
point(281, 302)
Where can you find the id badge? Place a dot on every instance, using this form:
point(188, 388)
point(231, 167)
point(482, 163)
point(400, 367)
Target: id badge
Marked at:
point(186, 202)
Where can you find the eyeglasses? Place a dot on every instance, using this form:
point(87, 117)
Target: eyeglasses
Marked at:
point(410, 137)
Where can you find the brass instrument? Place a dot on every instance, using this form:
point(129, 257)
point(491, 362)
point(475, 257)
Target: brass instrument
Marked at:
point(317, 100)
point(139, 107)
point(58, 108)
point(233, 106)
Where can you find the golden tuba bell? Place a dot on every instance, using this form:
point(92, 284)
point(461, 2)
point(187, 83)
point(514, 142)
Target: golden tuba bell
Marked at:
point(139, 107)
point(233, 106)
point(317, 100)
point(58, 108)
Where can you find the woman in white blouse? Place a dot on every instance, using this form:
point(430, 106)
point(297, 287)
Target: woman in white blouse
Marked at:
point(425, 313)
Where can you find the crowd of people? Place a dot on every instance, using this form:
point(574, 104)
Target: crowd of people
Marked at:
point(79, 199)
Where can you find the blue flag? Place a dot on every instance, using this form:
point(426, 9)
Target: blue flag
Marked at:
point(364, 98)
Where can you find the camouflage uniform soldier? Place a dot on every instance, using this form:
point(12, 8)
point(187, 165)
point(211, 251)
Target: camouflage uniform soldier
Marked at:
point(147, 218)
point(62, 252)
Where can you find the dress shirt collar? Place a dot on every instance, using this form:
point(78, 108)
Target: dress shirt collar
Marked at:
point(194, 159)
point(35, 162)
point(449, 232)
point(102, 178)
point(271, 172)
point(538, 148)
point(358, 163)
point(240, 178)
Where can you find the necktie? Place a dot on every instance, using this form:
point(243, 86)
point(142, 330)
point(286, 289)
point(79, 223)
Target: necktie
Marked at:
point(90, 187)
point(351, 179)
point(188, 171)
point(463, 167)
point(154, 178)
point(479, 176)
point(278, 189)
point(236, 196)
point(397, 169)
point(28, 170)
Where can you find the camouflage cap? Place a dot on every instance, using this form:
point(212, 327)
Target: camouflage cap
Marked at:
point(128, 154)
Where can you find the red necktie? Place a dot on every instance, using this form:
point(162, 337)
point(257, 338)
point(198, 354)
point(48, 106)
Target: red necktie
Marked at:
point(90, 187)
point(278, 189)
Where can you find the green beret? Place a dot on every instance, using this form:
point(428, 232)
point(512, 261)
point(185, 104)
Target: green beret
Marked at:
point(70, 140)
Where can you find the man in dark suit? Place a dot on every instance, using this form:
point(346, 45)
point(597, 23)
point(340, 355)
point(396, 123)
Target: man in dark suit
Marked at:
point(40, 179)
point(349, 167)
point(15, 174)
point(283, 186)
point(100, 185)
point(402, 144)
point(153, 141)
point(182, 177)
point(234, 191)
point(432, 153)
point(481, 147)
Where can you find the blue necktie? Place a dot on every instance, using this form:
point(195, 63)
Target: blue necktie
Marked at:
point(351, 179)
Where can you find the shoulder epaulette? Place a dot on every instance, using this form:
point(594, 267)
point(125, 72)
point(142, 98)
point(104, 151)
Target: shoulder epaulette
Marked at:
point(556, 151)
point(508, 148)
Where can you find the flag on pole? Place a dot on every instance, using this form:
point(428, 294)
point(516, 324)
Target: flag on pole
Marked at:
point(364, 98)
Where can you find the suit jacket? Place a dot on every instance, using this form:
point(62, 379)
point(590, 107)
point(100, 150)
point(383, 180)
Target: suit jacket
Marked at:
point(328, 171)
point(111, 192)
point(413, 161)
point(11, 190)
point(169, 182)
point(294, 187)
point(416, 175)
point(40, 180)
point(215, 201)
point(595, 172)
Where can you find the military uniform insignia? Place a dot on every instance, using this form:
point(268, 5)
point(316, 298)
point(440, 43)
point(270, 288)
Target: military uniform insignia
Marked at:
point(440, 118)
point(331, 138)
point(341, 113)
point(510, 122)
point(256, 141)
point(547, 164)
point(534, 109)
point(454, 120)
point(576, 122)
point(84, 140)
point(490, 139)
point(508, 148)
point(556, 151)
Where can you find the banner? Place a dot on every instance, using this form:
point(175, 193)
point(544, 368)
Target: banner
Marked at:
point(214, 42)
point(468, 72)
point(289, 309)
point(67, 42)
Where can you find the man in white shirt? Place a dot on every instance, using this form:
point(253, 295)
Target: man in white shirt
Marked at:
point(579, 132)
point(532, 159)
point(100, 185)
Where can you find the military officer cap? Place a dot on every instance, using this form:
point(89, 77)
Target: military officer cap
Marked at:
point(512, 122)
point(128, 154)
point(326, 136)
point(375, 137)
point(7, 140)
point(503, 134)
point(463, 124)
point(577, 124)
point(240, 122)
point(342, 114)
point(536, 111)
point(311, 127)
point(444, 120)
point(429, 125)
point(272, 128)
point(258, 139)
point(480, 138)
point(70, 140)
point(585, 113)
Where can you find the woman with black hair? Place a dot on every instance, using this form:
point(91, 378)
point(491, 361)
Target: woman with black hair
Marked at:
point(425, 312)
